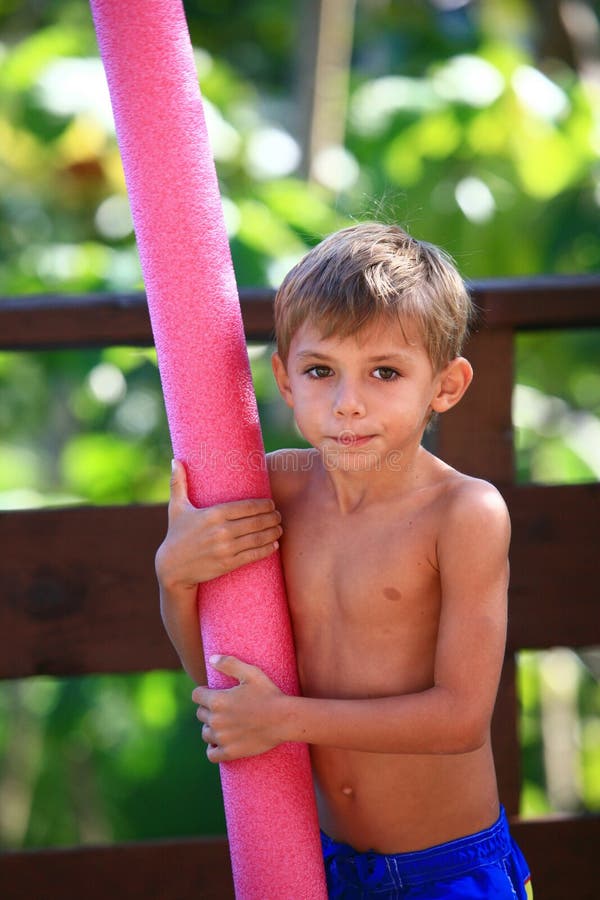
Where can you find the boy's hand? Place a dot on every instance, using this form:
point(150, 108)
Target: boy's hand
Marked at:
point(204, 543)
point(242, 720)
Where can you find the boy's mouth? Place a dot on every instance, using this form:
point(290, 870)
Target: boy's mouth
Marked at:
point(350, 439)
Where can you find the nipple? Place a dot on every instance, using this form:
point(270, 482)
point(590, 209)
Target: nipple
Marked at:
point(347, 790)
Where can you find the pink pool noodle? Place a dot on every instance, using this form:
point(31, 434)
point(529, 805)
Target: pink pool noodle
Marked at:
point(211, 408)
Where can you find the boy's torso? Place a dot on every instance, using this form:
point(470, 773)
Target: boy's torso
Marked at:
point(364, 595)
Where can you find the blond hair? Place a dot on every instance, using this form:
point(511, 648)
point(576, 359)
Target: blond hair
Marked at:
point(369, 271)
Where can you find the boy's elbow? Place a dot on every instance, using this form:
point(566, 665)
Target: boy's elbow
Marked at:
point(467, 729)
point(469, 742)
point(471, 733)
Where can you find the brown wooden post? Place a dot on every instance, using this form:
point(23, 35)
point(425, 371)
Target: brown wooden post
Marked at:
point(476, 437)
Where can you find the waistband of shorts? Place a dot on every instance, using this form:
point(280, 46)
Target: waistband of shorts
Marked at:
point(441, 861)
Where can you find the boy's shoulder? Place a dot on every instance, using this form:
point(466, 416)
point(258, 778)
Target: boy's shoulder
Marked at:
point(473, 506)
point(289, 470)
point(466, 490)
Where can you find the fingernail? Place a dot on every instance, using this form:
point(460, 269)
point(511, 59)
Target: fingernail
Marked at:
point(213, 660)
point(172, 465)
point(276, 545)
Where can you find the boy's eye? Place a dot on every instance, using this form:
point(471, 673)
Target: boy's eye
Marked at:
point(318, 371)
point(385, 373)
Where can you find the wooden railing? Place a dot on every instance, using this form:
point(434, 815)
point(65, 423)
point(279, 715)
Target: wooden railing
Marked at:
point(74, 585)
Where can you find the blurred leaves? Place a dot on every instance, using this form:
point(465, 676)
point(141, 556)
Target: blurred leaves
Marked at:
point(104, 758)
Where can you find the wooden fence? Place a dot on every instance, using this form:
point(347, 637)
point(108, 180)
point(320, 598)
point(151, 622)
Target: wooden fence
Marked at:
point(75, 583)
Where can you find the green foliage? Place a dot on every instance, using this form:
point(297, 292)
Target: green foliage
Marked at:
point(454, 129)
point(560, 703)
point(104, 758)
point(557, 406)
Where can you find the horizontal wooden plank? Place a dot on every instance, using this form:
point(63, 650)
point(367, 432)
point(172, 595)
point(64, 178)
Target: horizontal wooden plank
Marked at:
point(562, 852)
point(96, 320)
point(196, 869)
point(78, 591)
point(555, 566)
point(53, 320)
point(545, 301)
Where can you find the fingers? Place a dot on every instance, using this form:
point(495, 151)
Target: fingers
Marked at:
point(254, 554)
point(202, 544)
point(229, 665)
point(207, 735)
point(207, 700)
point(230, 511)
point(241, 541)
point(243, 509)
point(257, 523)
point(204, 715)
point(214, 753)
point(256, 540)
point(204, 696)
point(178, 485)
point(229, 717)
point(235, 519)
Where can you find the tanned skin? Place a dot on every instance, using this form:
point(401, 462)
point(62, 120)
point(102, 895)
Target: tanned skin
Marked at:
point(396, 572)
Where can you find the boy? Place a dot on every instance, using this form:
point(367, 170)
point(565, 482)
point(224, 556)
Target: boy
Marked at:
point(396, 571)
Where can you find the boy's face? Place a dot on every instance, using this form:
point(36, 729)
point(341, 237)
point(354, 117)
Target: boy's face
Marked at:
point(366, 398)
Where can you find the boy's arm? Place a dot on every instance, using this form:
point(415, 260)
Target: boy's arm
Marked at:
point(202, 544)
point(453, 716)
point(179, 614)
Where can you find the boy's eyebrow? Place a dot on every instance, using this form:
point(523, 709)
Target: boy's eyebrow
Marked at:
point(313, 354)
point(387, 357)
point(397, 356)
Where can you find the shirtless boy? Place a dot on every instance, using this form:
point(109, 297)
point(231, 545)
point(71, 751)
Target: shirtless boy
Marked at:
point(396, 571)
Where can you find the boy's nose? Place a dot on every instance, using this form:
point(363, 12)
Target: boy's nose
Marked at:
point(348, 403)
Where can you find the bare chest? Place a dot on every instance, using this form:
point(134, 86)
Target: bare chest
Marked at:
point(367, 580)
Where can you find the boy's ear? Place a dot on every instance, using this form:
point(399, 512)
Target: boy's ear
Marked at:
point(281, 377)
point(453, 382)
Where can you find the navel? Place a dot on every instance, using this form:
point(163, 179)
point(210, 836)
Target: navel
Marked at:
point(392, 594)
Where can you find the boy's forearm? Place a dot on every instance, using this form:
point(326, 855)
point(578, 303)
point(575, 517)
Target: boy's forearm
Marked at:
point(180, 618)
point(432, 721)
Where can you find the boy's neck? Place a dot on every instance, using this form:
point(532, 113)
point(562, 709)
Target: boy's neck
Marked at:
point(355, 489)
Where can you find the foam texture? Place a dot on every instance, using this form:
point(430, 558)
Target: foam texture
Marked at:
point(211, 408)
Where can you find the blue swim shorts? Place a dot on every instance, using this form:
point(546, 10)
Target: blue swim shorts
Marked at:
point(487, 865)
